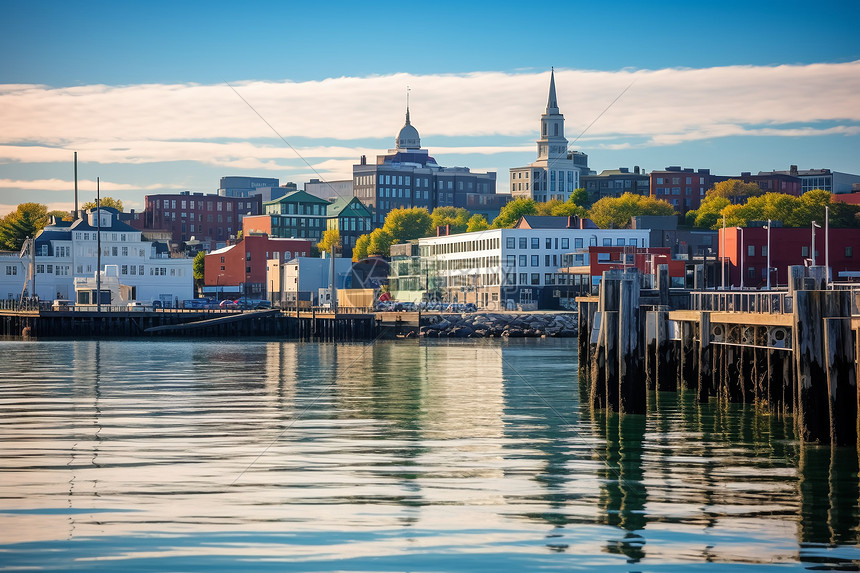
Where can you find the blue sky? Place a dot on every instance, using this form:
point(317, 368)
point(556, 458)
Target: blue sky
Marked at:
point(147, 92)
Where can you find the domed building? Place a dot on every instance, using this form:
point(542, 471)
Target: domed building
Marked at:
point(407, 176)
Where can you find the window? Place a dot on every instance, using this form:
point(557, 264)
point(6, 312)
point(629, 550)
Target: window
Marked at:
point(764, 250)
point(619, 242)
point(536, 278)
point(607, 242)
point(546, 260)
point(524, 261)
point(849, 252)
point(524, 278)
point(535, 260)
point(751, 250)
point(535, 243)
point(804, 251)
point(524, 243)
point(512, 260)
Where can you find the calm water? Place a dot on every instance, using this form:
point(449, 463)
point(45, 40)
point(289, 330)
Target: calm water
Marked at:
point(466, 456)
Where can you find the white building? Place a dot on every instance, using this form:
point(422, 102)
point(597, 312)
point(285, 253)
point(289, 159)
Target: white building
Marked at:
point(65, 251)
point(556, 172)
point(501, 269)
point(13, 274)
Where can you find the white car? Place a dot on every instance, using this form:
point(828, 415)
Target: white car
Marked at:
point(135, 305)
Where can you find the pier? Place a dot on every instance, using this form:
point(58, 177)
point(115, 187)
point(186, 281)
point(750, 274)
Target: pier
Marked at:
point(791, 352)
point(309, 324)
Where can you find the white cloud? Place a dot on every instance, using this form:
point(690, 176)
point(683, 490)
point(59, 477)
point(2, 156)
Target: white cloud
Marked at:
point(330, 123)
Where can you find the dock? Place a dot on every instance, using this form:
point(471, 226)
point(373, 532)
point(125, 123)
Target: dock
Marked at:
point(792, 352)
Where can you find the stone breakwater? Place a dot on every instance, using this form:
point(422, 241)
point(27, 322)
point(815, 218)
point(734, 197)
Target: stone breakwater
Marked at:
point(513, 325)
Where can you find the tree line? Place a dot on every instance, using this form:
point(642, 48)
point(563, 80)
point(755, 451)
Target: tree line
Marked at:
point(30, 218)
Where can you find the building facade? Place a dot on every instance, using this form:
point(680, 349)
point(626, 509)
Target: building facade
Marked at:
point(66, 251)
point(500, 269)
point(210, 219)
point(615, 183)
point(744, 252)
point(557, 171)
point(351, 219)
point(409, 177)
point(240, 270)
point(297, 214)
point(330, 190)
point(825, 179)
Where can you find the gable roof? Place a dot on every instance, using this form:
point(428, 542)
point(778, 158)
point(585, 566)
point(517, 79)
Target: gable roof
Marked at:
point(348, 207)
point(297, 197)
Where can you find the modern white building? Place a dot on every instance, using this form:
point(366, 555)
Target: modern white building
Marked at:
point(556, 173)
point(499, 269)
point(65, 251)
point(13, 275)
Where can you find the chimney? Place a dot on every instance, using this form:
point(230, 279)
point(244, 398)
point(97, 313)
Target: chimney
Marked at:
point(636, 169)
point(793, 170)
point(364, 159)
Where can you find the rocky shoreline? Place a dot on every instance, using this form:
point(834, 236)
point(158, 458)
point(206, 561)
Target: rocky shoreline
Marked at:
point(491, 325)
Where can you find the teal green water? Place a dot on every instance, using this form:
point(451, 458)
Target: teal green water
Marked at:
point(398, 456)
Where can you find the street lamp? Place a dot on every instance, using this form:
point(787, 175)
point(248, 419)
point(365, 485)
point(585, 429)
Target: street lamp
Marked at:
point(812, 255)
point(741, 231)
point(768, 253)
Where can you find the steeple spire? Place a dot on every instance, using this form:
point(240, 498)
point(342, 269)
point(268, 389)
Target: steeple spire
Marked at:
point(407, 105)
point(552, 102)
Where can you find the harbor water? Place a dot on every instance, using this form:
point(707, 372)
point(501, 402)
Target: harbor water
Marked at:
point(467, 455)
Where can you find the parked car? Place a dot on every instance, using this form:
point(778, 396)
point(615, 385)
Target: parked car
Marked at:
point(135, 305)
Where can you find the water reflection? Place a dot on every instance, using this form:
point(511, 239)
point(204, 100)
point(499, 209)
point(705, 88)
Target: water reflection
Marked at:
point(431, 456)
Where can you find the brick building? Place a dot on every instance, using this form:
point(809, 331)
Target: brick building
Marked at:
point(240, 269)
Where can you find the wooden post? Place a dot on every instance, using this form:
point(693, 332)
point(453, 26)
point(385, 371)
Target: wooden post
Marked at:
point(650, 343)
point(665, 365)
point(663, 283)
point(839, 361)
point(610, 295)
point(705, 370)
point(812, 400)
point(598, 363)
point(631, 387)
point(688, 355)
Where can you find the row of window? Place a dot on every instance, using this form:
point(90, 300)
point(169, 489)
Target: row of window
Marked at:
point(168, 216)
point(296, 209)
point(677, 180)
point(219, 205)
point(122, 237)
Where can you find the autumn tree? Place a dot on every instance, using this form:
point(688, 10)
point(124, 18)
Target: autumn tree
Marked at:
point(104, 202)
point(380, 242)
point(615, 212)
point(477, 222)
point(27, 220)
point(511, 213)
point(735, 190)
point(578, 196)
point(407, 224)
point(359, 250)
point(456, 217)
point(330, 238)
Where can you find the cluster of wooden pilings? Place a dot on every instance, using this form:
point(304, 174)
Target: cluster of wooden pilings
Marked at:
point(793, 352)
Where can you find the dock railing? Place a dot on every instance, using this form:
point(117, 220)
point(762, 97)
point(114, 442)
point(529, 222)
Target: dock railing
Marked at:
point(766, 302)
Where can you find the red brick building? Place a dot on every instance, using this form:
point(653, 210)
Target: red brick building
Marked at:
point(746, 252)
point(211, 219)
point(240, 269)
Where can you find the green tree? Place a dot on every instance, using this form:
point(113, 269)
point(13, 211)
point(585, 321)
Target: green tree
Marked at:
point(477, 222)
point(380, 242)
point(105, 202)
point(615, 212)
point(511, 213)
point(709, 213)
point(457, 217)
point(27, 220)
point(198, 268)
point(60, 215)
point(330, 238)
point(407, 224)
point(579, 197)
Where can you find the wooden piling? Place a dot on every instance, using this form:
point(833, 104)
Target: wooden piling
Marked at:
point(632, 391)
point(705, 370)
